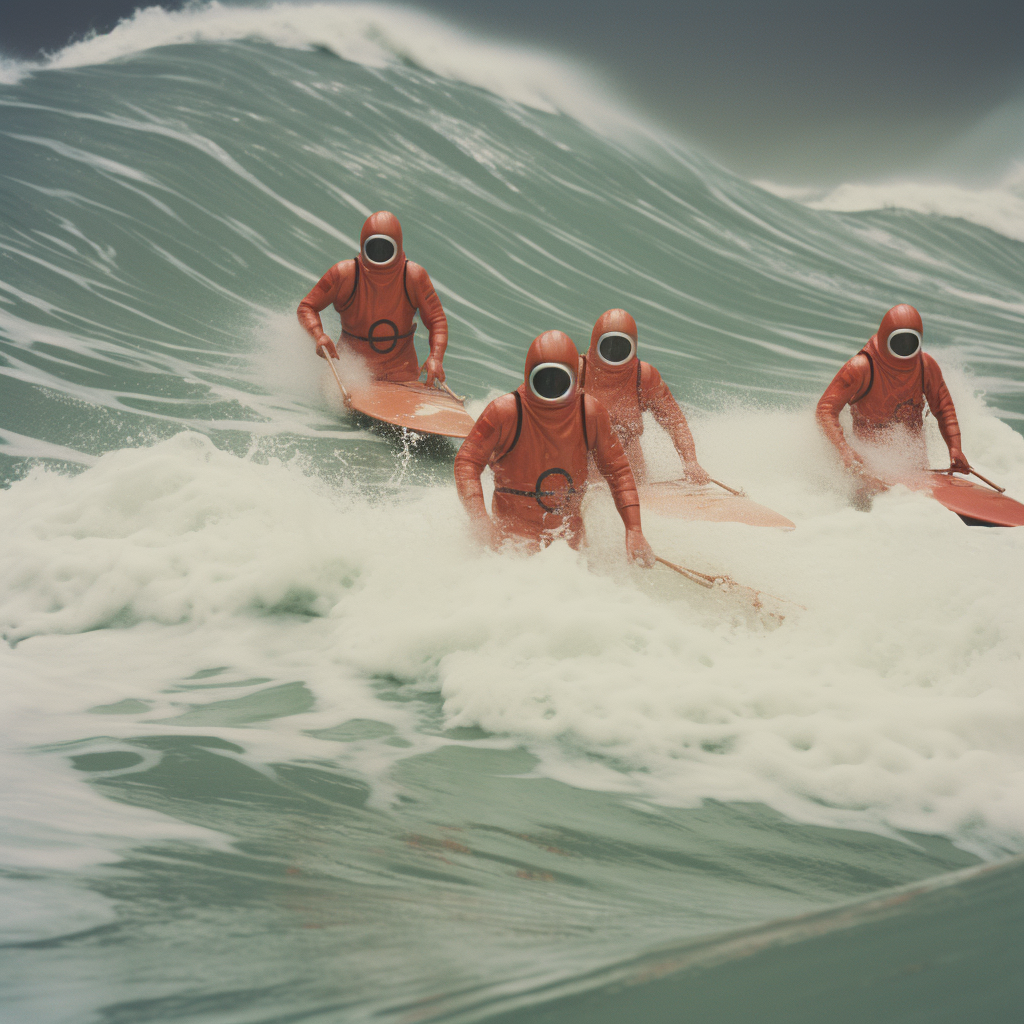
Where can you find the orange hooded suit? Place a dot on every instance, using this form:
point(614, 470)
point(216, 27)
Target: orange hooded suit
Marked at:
point(538, 451)
point(376, 302)
point(884, 390)
point(629, 388)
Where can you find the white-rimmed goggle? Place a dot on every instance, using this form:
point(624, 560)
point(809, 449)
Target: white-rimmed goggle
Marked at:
point(616, 348)
point(552, 382)
point(904, 342)
point(380, 249)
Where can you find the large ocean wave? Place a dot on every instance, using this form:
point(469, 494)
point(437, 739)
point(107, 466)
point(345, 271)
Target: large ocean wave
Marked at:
point(263, 699)
point(382, 36)
point(374, 35)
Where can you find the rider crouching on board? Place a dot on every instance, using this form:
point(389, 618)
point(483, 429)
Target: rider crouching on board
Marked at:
point(376, 295)
point(536, 440)
point(886, 385)
point(612, 373)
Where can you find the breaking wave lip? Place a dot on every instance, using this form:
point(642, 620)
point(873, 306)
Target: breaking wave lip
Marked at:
point(374, 35)
point(382, 36)
point(999, 207)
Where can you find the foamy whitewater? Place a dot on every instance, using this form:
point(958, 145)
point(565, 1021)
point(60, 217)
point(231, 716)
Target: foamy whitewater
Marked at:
point(279, 742)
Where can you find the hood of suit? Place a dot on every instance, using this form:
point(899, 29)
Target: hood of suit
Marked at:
point(612, 321)
point(550, 347)
point(901, 317)
point(382, 223)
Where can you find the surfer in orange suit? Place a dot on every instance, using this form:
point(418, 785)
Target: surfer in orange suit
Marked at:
point(886, 385)
point(612, 373)
point(536, 440)
point(376, 295)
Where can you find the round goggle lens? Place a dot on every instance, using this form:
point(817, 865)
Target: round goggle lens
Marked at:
point(380, 249)
point(551, 381)
point(904, 343)
point(615, 348)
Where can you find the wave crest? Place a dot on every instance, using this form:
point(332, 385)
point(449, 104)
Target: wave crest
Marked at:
point(374, 35)
point(999, 207)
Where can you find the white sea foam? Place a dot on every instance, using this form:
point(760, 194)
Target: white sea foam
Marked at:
point(893, 698)
point(375, 35)
point(129, 536)
point(999, 207)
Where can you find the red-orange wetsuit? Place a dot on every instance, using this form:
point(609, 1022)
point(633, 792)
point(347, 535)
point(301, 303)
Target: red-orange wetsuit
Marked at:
point(538, 452)
point(629, 389)
point(883, 391)
point(376, 304)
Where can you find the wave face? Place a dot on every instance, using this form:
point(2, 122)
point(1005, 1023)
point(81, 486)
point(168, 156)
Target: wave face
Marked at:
point(266, 711)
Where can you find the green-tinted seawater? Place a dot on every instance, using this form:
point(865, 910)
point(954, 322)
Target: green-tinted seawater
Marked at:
point(282, 745)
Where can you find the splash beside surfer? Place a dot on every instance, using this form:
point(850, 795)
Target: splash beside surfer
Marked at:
point(376, 294)
point(627, 387)
point(537, 440)
point(886, 385)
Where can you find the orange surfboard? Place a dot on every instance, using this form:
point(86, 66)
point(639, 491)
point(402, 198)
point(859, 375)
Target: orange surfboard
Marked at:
point(975, 504)
point(415, 406)
point(679, 499)
point(682, 500)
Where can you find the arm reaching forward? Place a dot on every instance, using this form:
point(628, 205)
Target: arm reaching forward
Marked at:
point(941, 405)
point(656, 396)
point(847, 385)
point(424, 298)
point(337, 281)
point(614, 467)
point(492, 432)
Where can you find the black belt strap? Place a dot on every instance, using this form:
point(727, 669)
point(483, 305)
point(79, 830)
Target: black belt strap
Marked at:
point(519, 430)
point(397, 337)
point(871, 379)
point(539, 491)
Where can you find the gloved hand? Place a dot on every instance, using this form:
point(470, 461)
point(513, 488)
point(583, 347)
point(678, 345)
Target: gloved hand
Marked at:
point(486, 532)
point(866, 481)
point(325, 347)
point(434, 369)
point(695, 474)
point(867, 486)
point(957, 462)
point(637, 548)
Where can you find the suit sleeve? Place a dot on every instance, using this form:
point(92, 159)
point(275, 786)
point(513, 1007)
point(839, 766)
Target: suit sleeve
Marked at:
point(491, 433)
point(847, 385)
point(655, 396)
point(424, 298)
point(612, 462)
point(940, 402)
point(326, 292)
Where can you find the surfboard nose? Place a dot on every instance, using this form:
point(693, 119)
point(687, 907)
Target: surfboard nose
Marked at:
point(413, 405)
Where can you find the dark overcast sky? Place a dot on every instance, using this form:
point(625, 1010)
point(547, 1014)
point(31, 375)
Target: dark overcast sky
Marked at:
point(802, 91)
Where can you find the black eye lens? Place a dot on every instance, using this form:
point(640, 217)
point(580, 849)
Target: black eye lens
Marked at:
point(615, 348)
point(379, 250)
point(904, 343)
point(551, 381)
